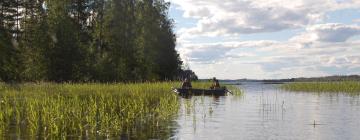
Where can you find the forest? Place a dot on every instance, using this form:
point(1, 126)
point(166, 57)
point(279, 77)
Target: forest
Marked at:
point(87, 41)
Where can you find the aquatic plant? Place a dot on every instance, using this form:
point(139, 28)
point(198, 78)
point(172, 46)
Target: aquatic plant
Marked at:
point(236, 91)
point(352, 87)
point(49, 110)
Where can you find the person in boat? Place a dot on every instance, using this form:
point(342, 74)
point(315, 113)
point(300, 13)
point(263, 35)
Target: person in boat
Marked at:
point(186, 84)
point(215, 84)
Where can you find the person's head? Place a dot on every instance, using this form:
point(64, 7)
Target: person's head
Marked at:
point(186, 79)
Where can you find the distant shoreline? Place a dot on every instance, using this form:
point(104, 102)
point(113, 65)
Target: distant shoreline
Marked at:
point(300, 79)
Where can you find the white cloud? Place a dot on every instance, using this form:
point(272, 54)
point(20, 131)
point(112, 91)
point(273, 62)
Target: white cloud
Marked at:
point(275, 59)
point(321, 49)
point(233, 17)
point(329, 32)
point(333, 32)
point(356, 20)
point(213, 52)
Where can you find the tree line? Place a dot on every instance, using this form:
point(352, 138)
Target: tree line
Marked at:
point(87, 40)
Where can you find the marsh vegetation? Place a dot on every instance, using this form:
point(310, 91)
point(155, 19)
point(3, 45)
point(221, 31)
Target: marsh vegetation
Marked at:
point(352, 87)
point(50, 110)
point(87, 110)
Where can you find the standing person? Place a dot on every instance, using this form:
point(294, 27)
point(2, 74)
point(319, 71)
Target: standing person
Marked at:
point(215, 84)
point(186, 84)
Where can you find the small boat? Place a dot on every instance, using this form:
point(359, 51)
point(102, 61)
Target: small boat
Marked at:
point(198, 92)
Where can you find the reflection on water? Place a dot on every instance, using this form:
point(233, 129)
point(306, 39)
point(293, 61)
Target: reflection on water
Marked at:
point(266, 112)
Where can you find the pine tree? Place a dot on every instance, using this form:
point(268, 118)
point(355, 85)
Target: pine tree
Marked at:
point(34, 41)
point(82, 40)
point(64, 54)
point(9, 49)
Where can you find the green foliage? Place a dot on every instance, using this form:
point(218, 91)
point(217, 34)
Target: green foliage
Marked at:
point(9, 49)
point(188, 74)
point(86, 111)
point(352, 87)
point(87, 40)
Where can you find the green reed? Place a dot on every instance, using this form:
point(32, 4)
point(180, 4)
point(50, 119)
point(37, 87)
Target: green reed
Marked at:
point(236, 91)
point(64, 111)
point(352, 87)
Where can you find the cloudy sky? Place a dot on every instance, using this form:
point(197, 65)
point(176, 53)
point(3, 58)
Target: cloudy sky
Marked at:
point(263, 39)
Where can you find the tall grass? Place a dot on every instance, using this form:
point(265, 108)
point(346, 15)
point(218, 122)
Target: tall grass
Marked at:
point(64, 111)
point(236, 91)
point(352, 87)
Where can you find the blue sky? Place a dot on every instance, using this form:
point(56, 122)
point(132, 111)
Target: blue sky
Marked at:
point(263, 39)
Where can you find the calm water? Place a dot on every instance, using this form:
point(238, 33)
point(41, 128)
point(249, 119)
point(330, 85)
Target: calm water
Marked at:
point(265, 112)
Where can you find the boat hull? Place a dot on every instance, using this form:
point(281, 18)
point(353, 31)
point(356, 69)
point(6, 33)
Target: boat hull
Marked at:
point(200, 92)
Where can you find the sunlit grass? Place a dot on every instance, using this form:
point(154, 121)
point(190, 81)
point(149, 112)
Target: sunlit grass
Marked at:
point(236, 91)
point(50, 110)
point(352, 87)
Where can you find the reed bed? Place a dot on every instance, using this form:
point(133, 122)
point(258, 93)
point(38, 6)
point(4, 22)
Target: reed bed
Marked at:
point(236, 91)
point(352, 87)
point(87, 111)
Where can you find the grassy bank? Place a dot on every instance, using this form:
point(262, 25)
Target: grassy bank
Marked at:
point(352, 87)
point(86, 110)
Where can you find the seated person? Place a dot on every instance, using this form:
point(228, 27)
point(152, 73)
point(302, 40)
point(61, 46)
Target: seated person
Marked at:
point(186, 84)
point(215, 84)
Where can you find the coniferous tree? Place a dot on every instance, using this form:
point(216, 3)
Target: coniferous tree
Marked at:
point(65, 54)
point(34, 41)
point(83, 40)
point(9, 47)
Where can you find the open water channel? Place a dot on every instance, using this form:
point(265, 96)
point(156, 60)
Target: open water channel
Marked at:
point(266, 112)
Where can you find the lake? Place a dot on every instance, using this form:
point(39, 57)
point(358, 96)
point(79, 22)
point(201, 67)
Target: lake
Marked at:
point(262, 112)
point(267, 112)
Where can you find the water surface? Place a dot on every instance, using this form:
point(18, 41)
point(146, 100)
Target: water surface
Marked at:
point(266, 112)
